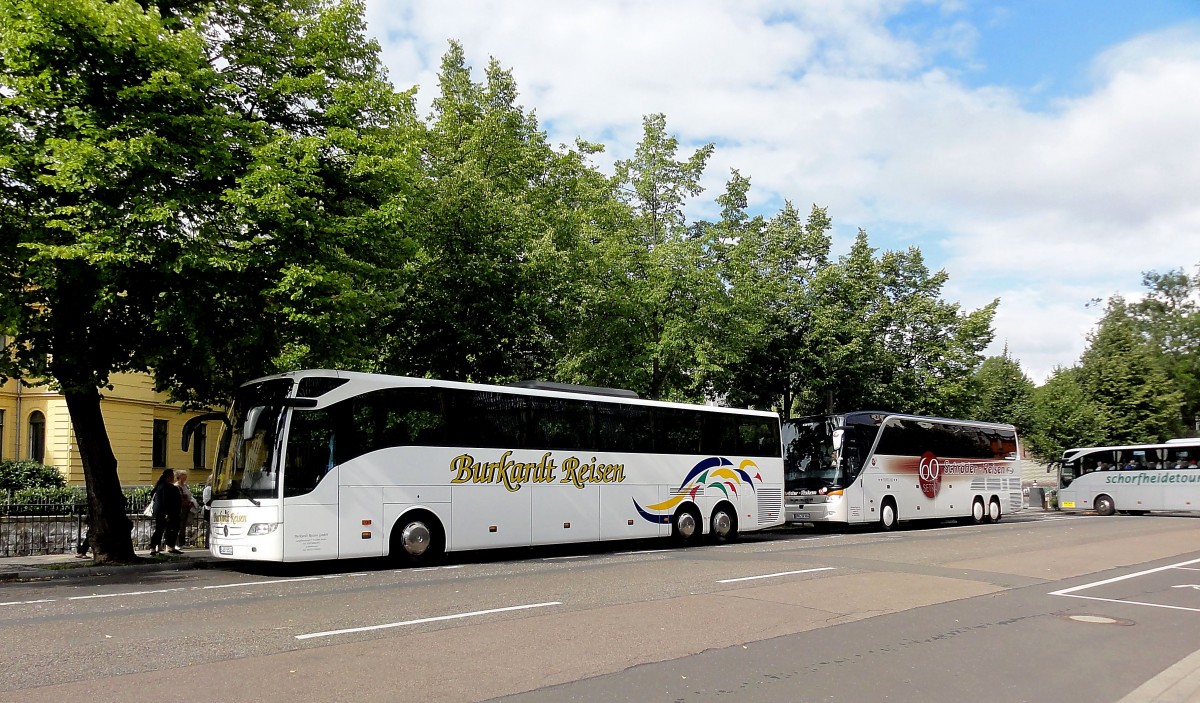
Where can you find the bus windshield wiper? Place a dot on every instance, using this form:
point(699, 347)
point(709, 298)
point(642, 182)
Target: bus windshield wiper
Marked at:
point(246, 494)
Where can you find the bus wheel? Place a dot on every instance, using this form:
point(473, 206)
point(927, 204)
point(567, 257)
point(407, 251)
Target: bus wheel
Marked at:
point(686, 529)
point(417, 539)
point(978, 513)
point(994, 513)
point(887, 514)
point(1104, 505)
point(723, 524)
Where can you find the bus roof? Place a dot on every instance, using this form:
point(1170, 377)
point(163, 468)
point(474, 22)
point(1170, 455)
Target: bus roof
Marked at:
point(878, 417)
point(390, 381)
point(1076, 451)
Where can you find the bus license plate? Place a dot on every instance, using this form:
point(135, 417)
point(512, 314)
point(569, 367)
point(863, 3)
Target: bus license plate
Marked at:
point(801, 516)
point(226, 550)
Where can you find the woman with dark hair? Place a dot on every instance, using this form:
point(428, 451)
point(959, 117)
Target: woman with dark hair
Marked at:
point(165, 503)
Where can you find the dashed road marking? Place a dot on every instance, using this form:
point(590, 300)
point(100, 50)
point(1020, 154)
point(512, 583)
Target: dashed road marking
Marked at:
point(419, 621)
point(771, 576)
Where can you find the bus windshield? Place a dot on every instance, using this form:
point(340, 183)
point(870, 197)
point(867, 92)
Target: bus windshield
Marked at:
point(245, 466)
point(813, 462)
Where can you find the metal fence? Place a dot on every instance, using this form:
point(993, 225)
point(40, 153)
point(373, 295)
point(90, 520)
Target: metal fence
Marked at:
point(31, 528)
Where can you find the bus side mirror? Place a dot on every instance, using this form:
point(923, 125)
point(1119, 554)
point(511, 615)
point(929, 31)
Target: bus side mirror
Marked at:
point(189, 427)
point(251, 424)
point(837, 439)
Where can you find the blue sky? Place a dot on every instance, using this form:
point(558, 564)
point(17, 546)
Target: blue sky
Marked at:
point(1043, 153)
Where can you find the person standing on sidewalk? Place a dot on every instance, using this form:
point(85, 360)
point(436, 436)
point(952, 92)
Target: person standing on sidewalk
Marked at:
point(164, 501)
point(188, 510)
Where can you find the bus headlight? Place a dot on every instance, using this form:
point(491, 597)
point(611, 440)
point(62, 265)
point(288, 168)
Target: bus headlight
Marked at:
point(262, 528)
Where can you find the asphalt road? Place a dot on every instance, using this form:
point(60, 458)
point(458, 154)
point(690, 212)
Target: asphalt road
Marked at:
point(1039, 607)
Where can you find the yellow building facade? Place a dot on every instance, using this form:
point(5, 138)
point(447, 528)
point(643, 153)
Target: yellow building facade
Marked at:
point(143, 426)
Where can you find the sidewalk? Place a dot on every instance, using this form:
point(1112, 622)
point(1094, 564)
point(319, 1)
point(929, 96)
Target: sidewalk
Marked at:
point(58, 566)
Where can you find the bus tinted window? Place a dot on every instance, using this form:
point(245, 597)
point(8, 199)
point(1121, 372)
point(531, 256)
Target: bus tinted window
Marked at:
point(915, 437)
point(486, 419)
point(676, 431)
point(560, 423)
point(623, 428)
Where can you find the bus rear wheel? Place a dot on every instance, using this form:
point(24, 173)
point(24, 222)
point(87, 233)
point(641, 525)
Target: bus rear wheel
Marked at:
point(994, 512)
point(723, 526)
point(686, 528)
point(1104, 505)
point(418, 539)
point(887, 514)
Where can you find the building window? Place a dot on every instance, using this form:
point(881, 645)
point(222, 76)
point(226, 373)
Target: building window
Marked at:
point(159, 460)
point(199, 446)
point(37, 436)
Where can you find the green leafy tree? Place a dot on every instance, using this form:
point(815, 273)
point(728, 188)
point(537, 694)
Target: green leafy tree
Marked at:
point(652, 282)
point(1137, 401)
point(1169, 319)
point(882, 336)
point(930, 347)
point(494, 219)
point(771, 269)
point(1062, 416)
point(1002, 392)
point(202, 191)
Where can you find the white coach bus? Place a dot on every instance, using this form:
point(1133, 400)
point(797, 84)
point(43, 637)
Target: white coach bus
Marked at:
point(326, 464)
point(1131, 479)
point(882, 468)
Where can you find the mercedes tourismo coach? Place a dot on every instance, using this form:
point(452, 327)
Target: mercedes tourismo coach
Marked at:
point(326, 464)
point(879, 467)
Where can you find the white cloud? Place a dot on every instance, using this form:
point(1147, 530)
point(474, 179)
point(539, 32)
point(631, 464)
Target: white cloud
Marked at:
point(819, 102)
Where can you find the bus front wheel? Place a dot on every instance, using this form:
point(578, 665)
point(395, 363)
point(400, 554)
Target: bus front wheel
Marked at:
point(686, 527)
point(887, 514)
point(723, 524)
point(417, 539)
point(1104, 505)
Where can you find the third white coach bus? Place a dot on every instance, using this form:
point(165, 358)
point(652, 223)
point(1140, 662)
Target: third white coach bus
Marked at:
point(882, 468)
point(1131, 478)
point(327, 464)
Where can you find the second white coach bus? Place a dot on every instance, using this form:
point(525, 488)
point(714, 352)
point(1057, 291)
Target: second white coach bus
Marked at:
point(326, 464)
point(883, 468)
point(1132, 478)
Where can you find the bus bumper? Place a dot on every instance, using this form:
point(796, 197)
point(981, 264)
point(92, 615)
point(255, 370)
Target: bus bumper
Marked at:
point(816, 509)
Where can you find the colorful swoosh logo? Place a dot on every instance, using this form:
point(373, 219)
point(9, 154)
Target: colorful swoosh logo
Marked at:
point(715, 472)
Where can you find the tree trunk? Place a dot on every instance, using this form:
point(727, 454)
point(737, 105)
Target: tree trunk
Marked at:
point(110, 531)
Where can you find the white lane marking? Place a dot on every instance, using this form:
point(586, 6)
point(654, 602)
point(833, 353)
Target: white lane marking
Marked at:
point(260, 583)
point(127, 593)
point(644, 551)
point(194, 588)
point(1071, 592)
point(1105, 582)
point(28, 602)
point(427, 568)
point(781, 573)
point(575, 556)
point(456, 616)
point(1132, 602)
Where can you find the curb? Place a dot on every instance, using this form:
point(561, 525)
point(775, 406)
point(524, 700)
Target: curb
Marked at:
point(31, 573)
